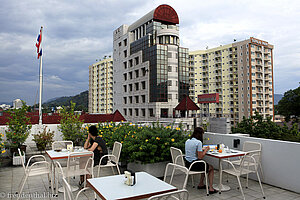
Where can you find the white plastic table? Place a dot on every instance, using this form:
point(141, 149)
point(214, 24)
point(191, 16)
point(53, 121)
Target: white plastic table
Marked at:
point(54, 155)
point(113, 187)
point(231, 153)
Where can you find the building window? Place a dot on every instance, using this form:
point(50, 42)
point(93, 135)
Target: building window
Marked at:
point(143, 85)
point(136, 99)
point(130, 100)
point(125, 65)
point(125, 111)
point(130, 111)
point(130, 87)
point(164, 112)
point(125, 88)
point(144, 98)
point(136, 112)
point(136, 60)
point(120, 44)
point(143, 112)
point(125, 53)
point(125, 100)
point(125, 42)
point(125, 77)
point(144, 71)
point(169, 68)
point(151, 113)
point(136, 86)
point(169, 83)
point(130, 63)
point(136, 73)
point(130, 75)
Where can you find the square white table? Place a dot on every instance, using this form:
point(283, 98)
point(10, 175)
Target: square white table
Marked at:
point(113, 187)
point(54, 155)
point(231, 153)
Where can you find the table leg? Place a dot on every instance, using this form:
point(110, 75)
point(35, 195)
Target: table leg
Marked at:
point(220, 186)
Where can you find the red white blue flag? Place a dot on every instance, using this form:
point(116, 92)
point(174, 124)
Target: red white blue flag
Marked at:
point(38, 44)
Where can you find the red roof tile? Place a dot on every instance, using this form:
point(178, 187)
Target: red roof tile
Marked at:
point(55, 118)
point(187, 104)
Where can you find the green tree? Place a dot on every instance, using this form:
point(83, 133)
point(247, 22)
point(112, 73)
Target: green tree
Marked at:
point(257, 126)
point(18, 127)
point(289, 105)
point(71, 125)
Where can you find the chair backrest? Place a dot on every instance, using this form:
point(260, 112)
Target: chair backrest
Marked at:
point(254, 149)
point(171, 168)
point(84, 160)
point(61, 144)
point(251, 146)
point(177, 156)
point(116, 151)
point(179, 195)
point(22, 160)
point(67, 189)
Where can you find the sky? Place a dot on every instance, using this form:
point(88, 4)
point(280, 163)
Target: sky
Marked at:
point(77, 33)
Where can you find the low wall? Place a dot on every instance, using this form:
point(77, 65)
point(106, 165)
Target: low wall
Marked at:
point(280, 159)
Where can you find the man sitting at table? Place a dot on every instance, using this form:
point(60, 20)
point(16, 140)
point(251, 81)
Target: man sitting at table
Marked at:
point(193, 152)
point(96, 144)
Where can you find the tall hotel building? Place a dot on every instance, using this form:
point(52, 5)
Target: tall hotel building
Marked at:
point(150, 68)
point(101, 87)
point(241, 74)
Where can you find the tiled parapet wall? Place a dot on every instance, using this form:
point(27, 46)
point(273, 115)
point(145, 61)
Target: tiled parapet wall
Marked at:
point(280, 159)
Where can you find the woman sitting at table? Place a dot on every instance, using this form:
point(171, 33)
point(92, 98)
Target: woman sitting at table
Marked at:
point(96, 144)
point(193, 152)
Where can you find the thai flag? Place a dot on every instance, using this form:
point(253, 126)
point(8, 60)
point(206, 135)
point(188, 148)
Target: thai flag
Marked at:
point(38, 44)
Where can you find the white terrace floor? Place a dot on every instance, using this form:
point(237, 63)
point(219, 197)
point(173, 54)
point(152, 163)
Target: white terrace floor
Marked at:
point(10, 178)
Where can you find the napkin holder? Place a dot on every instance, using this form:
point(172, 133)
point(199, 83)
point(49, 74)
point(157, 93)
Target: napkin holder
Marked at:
point(70, 147)
point(130, 178)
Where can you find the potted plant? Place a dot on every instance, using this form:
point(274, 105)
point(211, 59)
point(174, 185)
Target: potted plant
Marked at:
point(43, 138)
point(71, 125)
point(18, 128)
point(2, 149)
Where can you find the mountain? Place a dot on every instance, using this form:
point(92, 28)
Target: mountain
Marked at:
point(81, 101)
point(277, 98)
point(7, 103)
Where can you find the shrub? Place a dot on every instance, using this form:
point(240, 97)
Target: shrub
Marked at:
point(147, 144)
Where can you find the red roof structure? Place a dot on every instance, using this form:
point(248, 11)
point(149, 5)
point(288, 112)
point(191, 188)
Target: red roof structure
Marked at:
point(187, 104)
point(54, 118)
point(165, 13)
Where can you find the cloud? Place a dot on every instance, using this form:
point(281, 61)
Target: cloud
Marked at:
point(77, 33)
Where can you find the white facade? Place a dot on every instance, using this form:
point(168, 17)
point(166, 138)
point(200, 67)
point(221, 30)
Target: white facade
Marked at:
point(147, 65)
point(17, 104)
point(101, 86)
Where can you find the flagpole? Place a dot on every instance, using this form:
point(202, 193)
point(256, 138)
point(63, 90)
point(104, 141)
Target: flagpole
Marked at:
point(41, 84)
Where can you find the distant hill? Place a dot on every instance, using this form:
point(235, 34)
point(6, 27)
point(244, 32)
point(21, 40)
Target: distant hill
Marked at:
point(277, 98)
point(7, 103)
point(81, 101)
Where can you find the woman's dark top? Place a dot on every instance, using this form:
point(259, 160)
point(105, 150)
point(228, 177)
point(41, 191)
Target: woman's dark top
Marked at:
point(99, 153)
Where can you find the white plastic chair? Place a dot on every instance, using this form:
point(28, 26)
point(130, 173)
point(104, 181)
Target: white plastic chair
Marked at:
point(174, 168)
point(113, 159)
point(178, 158)
point(243, 169)
point(75, 159)
point(61, 144)
point(178, 195)
point(68, 192)
point(253, 149)
point(36, 169)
